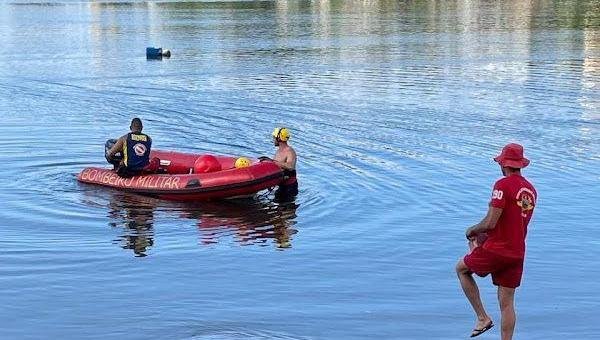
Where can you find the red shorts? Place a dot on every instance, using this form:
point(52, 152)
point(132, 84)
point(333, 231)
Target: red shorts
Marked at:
point(506, 271)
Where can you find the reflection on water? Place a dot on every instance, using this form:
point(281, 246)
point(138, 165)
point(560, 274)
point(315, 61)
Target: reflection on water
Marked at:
point(255, 221)
point(248, 221)
point(134, 214)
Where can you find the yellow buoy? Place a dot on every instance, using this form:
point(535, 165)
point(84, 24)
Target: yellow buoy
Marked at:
point(242, 162)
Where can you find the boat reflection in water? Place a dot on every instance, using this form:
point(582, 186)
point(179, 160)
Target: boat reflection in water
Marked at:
point(135, 214)
point(258, 221)
point(249, 221)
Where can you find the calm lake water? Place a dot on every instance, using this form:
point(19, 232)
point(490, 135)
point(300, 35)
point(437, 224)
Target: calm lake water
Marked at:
point(396, 109)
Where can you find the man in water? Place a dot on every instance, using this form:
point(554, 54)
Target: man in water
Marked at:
point(285, 157)
point(503, 252)
point(135, 150)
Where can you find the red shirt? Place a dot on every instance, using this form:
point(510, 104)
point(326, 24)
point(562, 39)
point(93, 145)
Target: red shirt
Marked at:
point(517, 198)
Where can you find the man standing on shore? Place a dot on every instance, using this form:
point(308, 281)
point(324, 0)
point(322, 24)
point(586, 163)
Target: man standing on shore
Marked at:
point(503, 252)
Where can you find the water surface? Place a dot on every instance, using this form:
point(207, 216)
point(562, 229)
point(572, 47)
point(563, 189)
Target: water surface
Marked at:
point(396, 109)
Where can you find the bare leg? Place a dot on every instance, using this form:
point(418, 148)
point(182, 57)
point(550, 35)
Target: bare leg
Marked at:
point(472, 292)
point(506, 298)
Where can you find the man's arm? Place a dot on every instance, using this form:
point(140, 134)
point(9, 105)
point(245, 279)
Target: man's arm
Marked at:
point(116, 148)
point(487, 223)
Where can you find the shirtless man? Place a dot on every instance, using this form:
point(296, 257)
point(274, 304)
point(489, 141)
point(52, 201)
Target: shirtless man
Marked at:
point(286, 158)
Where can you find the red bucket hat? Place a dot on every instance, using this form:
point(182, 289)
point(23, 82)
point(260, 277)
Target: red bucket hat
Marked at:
point(512, 156)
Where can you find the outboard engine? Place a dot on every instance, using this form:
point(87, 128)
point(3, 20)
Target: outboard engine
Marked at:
point(117, 158)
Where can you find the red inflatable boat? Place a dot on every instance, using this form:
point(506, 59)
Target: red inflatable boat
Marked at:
point(178, 180)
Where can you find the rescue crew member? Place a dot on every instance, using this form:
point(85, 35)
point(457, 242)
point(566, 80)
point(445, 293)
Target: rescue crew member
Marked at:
point(503, 251)
point(135, 150)
point(286, 158)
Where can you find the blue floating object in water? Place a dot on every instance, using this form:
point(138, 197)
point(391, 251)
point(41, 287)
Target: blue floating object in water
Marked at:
point(153, 53)
point(157, 53)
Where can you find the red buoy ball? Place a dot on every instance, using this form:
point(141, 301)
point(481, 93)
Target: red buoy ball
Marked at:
point(206, 163)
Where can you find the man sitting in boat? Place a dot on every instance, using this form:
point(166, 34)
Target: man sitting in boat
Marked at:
point(285, 157)
point(130, 154)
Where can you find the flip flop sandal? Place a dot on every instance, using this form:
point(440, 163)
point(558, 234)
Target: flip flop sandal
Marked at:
point(479, 331)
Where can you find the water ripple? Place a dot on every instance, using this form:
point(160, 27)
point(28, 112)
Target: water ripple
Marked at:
point(396, 110)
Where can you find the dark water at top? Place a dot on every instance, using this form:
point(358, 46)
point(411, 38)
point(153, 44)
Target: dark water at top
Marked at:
point(396, 109)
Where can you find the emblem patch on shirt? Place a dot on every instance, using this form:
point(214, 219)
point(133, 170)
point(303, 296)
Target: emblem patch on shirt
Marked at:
point(139, 149)
point(525, 201)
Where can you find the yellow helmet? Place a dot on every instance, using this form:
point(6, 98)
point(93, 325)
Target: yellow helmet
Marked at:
point(282, 134)
point(242, 162)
